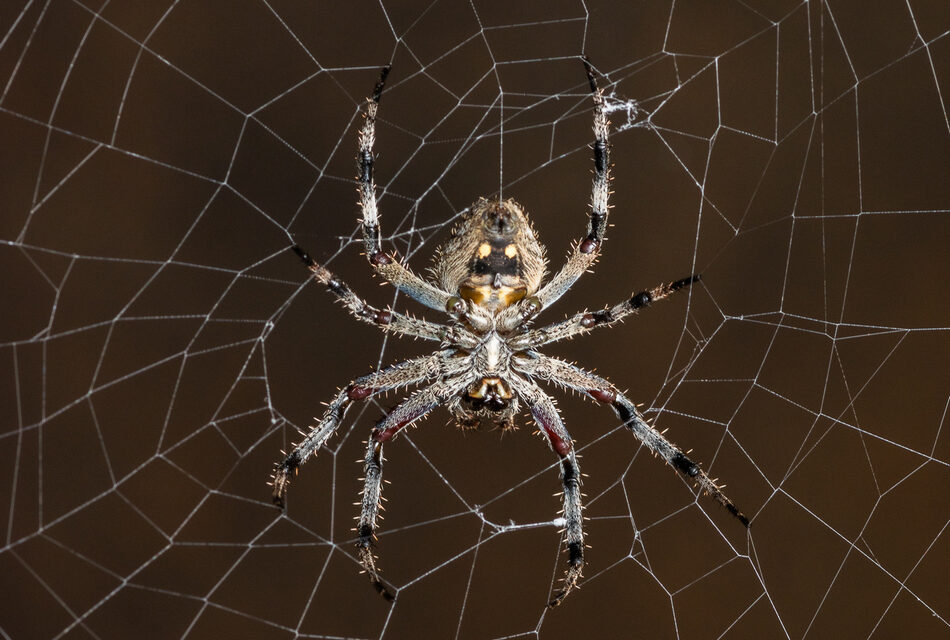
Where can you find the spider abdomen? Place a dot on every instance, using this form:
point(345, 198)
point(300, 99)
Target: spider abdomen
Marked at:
point(490, 393)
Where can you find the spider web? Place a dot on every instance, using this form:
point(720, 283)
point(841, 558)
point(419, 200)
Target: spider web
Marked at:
point(160, 345)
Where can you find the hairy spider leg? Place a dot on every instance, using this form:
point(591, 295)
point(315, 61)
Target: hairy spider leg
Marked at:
point(459, 364)
point(414, 407)
point(386, 319)
point(385, 265)
point(654, 440)
point(585, 252)
point(369, 512)
point(573, 377)
point(585, 321)
point(546, 416)
point(392, 377)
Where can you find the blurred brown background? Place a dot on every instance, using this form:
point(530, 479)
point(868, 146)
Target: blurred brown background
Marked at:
point(160, 345)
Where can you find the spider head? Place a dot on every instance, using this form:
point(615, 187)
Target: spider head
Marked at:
point(500, 218)
point(493, 259)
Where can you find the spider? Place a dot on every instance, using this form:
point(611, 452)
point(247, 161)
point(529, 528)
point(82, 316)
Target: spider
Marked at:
point(488, 278)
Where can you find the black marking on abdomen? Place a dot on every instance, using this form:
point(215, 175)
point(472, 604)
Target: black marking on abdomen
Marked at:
point(497, 261)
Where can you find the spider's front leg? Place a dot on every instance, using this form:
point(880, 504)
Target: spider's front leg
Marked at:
point(573, 377)
point(586, 321)
point(386, 319)
point(393, 377)
point(585, 251)
point(549, 421)
point(384, 264)
point(415, 407)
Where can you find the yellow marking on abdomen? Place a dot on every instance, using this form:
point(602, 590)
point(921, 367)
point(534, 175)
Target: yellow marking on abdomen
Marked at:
point(507, 296)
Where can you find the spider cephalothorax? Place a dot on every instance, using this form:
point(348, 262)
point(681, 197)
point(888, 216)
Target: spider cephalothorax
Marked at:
point(493, 258)
point(489, 279)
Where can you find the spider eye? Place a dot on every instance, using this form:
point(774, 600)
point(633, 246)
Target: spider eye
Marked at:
point(455, 305)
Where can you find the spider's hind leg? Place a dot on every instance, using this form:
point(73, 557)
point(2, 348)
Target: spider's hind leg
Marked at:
point(573, 377)
point(672, 454)
point(410, 410)
point(372, 494)
point(552, 427)
point(392, 377)
point(286, 470)
point(573, 531)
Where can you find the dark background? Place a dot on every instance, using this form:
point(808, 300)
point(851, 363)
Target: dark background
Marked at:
point(160, 345)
